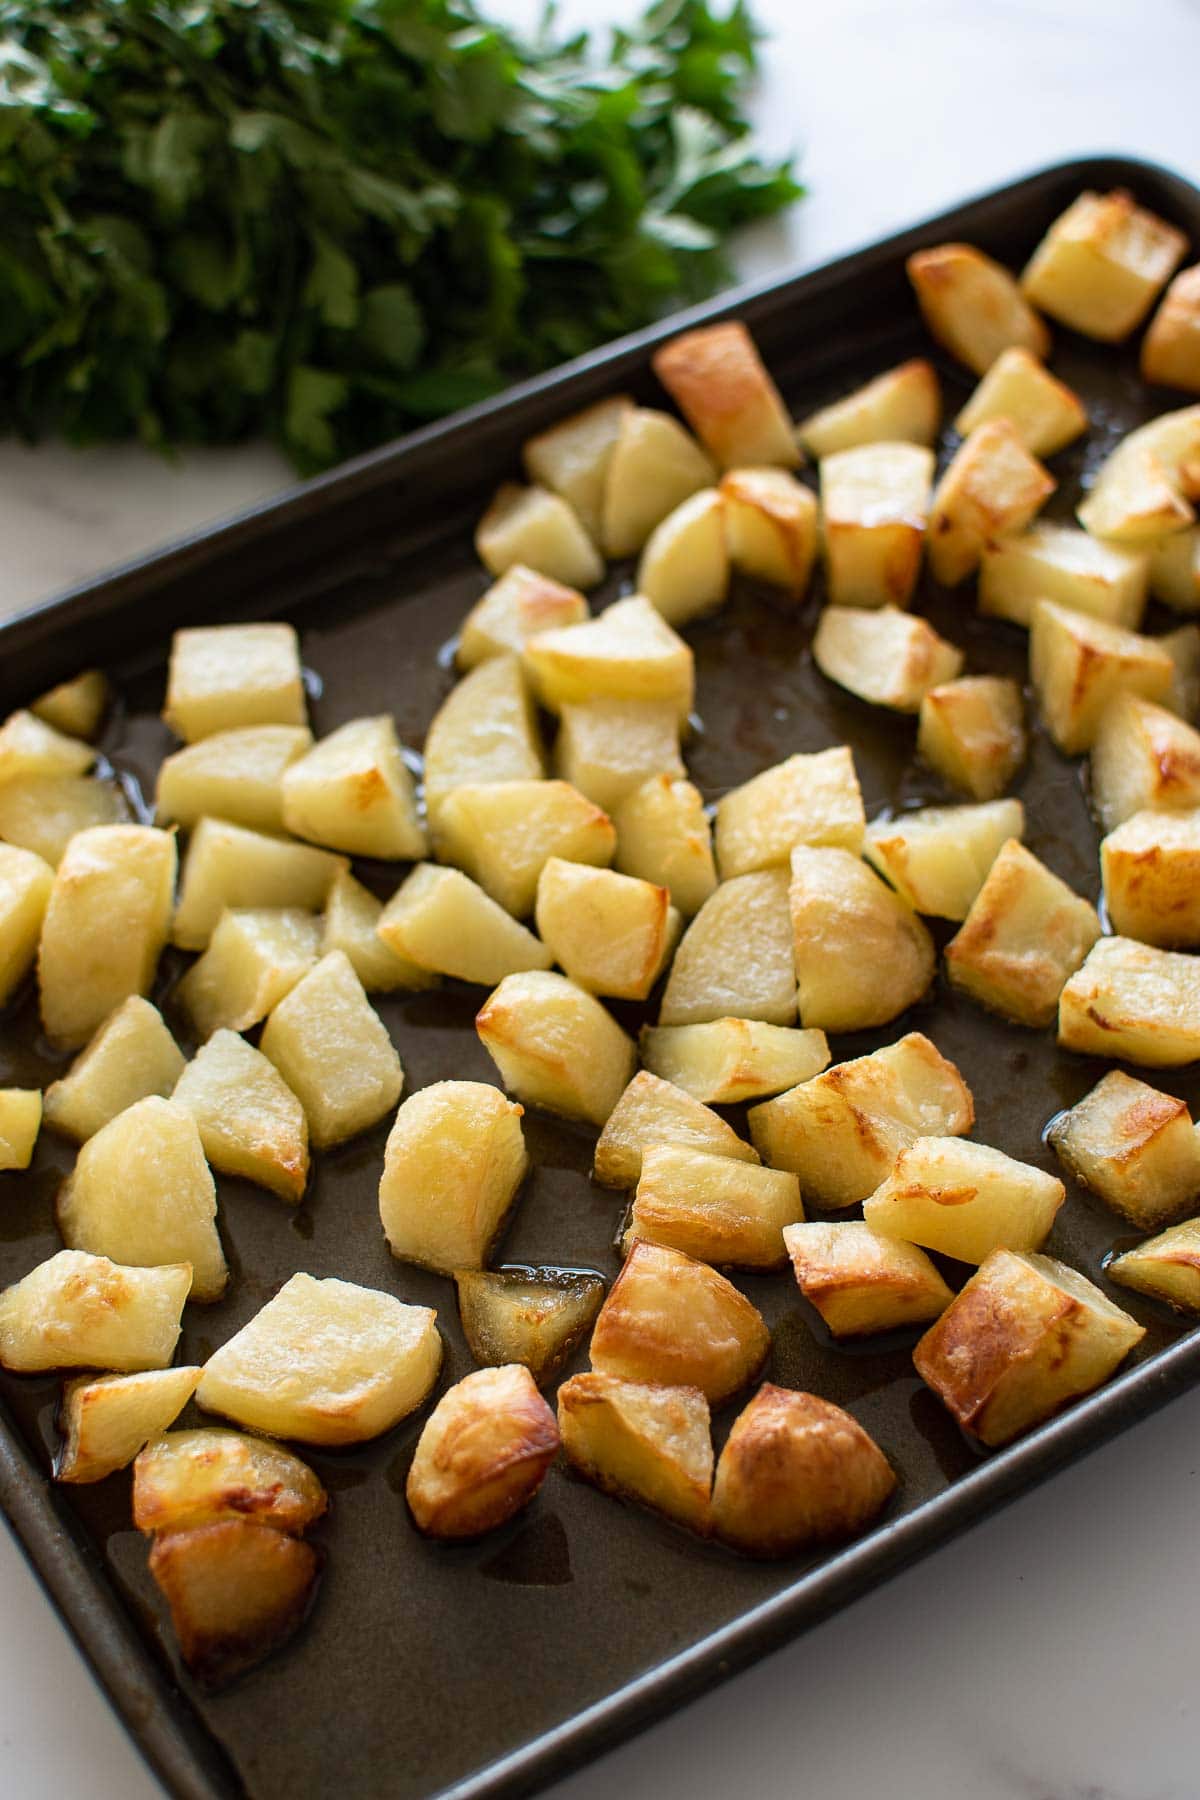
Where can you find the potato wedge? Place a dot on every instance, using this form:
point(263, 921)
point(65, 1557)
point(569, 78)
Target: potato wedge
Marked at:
point(230, 868)
point(992, 488)
point(535, 1317)
point(771, 527)
point(716, 377)
point(351, 923)
point(556, 1046)
point(224, 677)
point(234, 775)
point(862, 955)
point(250, 1122)
point(132, 1056)
point(809, 799)
point(454, 1162)
point(1144, 759)
point(728, 1060)
point(684, 565)
point(75, 1311)
point(513, 610)
point(76, 706)
point(938, 858)
point(236, 1591)
point(353, 791)
point(651, 1111)
point(885, 657)
point(663, 835)
point(443, 921)
point(1102, 264)
point(255, 957)
point(640, 1441)
point(902, 406)
point(20, 1122)
point(187, 1478)
point(572, 458)
point(654, 466)
point(860, 1282)
point(106, 1419)
point(608, 748)
point(484, 730)
point(972, 731)
point(1079, 666)
point(533, 527)
point(484, 1452)
point(42, 813)
point(1051, 561)
point(973, 306)
point(736, 958)
point(609, 933)
point(28, 746)
point(671, 1319)
point(1149, 865)
point(964, 1199)
point(1138, 1149)
point(712, 1208)
point(26, 882)
point(1133, 1002)
point(627, 652)
point(874, 511)
point(1166, 1267)
point(1171, 346)
point(334, 1052)
point(503, 833)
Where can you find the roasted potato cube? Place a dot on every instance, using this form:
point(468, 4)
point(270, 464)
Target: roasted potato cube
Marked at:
point(77, 706)
point(106, 1419)
point(483, 1454)
point(1175, 570)
point(503, 833)
point(842, 1131)
point(352, 915)
point(334, 1052)
point(972, 731)
point(1046, 414)
point(1024, 937)
point(862, 954)
point(727, 1060)
point(1061, 563)
point(531, 1316)
point(222, 677)
point(796, 1471)
point(556, 1046)
point(454, 1161)
point(771, 527)
point(652, 1111)
point(1135, 1147)
point(132, 1056)
point(860, 1282)
point(992, 488)
point(1079, 665)
point(938, 858)
point(641, 1441)
point(1022, 1338)
point(20, 1122)
point(964, 1199)
point(1102, 264)
point(532, 526)
point(1133, 1002)
point(28, 746)
point(886, 657)
point(736, 958)
point(325, 1362)
point(1143, 759)
point(572, 458)
point(610, 933)
point(76, 1311)
point(628, 652)
point(227, 866)
point(1171, 346)
point(663, 835)
point(236, 1590)
point(1143, 490)
point(973, 306)
point(188, 1478)
point(484, 730)
point(902, 406)
point(250, 1122)
point(255, 956)
point(716, 378)
point(105, 925)
point(654, 466)
point(608, 748)
point(684, 567)
point(1149, 865)
point(669, 1318)
point(809, 799)
point(25, 885)
point(874, 508)
point(1166, 1267)
point(442, 921)
point(513, 610)
point(353, 792)
point(234, 775)
point(712, 1208)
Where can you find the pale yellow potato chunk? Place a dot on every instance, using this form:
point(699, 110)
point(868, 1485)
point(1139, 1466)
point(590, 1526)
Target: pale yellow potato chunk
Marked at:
point(325, 1362)
point(716, 377)
point(1150, 866)
point(353, 791)
point(860, 1282)
point(132, 1056)
point(1133, 1002)
point(236, 1591)
point(106, 923)
point(572, 458)
point(862, 954)
point(1026, 934)
point(1183, 647)
point(654, 466)
point(610, 933)
point(503, 833)
point(669, 1318)
point(513, 610)
point(222, 677)
point(1135, 1147)
point(25, 885)
point(973, 306)
point(874, 510)
point(334, 1052)
point(736, 958)
point(972, 731)
point(663, 835)
point(484, 730)
point(729, 1060)
point(1046, 414)
point(1175, 570)
point(964, 1200)
point(884, 656)
point(187, 1478)
point(484, 1453)
point(77, 706)
point(608, 748)
point(556, 1046)
point(141, 1192)
point(228, 867)
point(234, 775)
point(1144, 758)
point(1057, 562)
point(712, 1208)
point(1079, 665)
point(684, 567)
point(1144, 488)
point(351, 923)
point(1166, 1267)
point(641, 1441)
point(255, 956)
point(809, 799)
point(651, 1111)
point(628, 652)
point(250, 1122)
point(842, 1131)
point(1171, 346)
point(107, 1419)
point(938, 858)
point(454, 1161)
point(901, 406)
point(20, 1122)
point(535, 1317)
point(532, 526)
point(1102, 264)
point(28, 746)
point(75, 1311)
point(1026, 1335)
point(992, 488)
point(771, 527)
point(42, 813)
point(443, 921)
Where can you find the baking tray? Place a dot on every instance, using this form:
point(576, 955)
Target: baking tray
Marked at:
point(489, 1669)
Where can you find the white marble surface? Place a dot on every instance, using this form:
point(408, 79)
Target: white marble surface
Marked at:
point(1050, 1655)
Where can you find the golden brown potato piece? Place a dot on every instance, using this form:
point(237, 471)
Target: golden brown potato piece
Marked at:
point(727, 1060)
point(1144, 758)
point(1144, 488)
point(1171, 346)
point(651, 1111)
point(663, 835)
point(227, 866)
point(530, 525)
point(77, 706)
point(1052, 561)
point(992, 488)
point(512, 611)
point(939, 856)
point(454, 1161)
point(76, 1311)
point(234, 775)
point(862, 954)
point(1023, 1337)
point(964, 1200)
point(874, 509)
point(1167, 1267)
point(531, 1316)
point(1046, 413)
point(334, 1052)
point(483, 1454)
point(250, 1122)
point(1102, 263)
point(796, 1471)
point(713, 1208)
point(353, 791)
point(972, 731)
point(187, 1478)
point(132, 1056)
point(884, 656)
point(255, 957)
point(1135, 1147)
point(610, 933)
point(973, 306)
point(640, 1441)
point(671, 1319)
point(351, 923)
point(1079, 666)
point(503, 833)
point(608, 748)
point(655, 464)
point(442, 921)
point(736, 958)
point(628, 652)
point(223, 677)
point(556, 1046)
point(106, 1419)
point(1150, 867)
point(25, 885)
point(236, 1590)
point(902, 406)
point(808, 799)
point(716, 378)
point(572, 457)
point(771, 524)
point(860, 1282)
point(1134, 1002)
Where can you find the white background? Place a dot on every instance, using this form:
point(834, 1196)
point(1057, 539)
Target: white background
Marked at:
point(1051, 1654)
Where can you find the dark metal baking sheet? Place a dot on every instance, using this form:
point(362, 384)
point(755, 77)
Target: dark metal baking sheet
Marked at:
point(491, 1668)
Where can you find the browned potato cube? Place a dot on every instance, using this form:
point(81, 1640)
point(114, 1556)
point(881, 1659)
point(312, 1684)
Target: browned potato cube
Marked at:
point(862, 954)
point(555, 1045)
point(628, 652)
point(902, 406)
point(483, 1454)
point(25, 887)
point(188, 1478)
point(973, 306)
point(861, 1282)
point(106, 1419)
point(353, 791)
point(443, 921)
point(503, 833)
point(77, 706)
point(572, 458)
point(1134, 1002)
point(334, 1052)
point(531, 1316)
point(716, 378)
point(736, 958)
point(608, 748)
point(75, 1311)
point(222, 677)
point(234, 775)
point(1102, 263)
point(886, 657)
point(1051, 561)
point(663, 835)
point(972, 731)
point(1144, 758)
point(684, 567)
point(808, 799)
point(132, 1056)
point(454, 1162)
point(250, 1122)
point(1135, 1147)
point(513, 610)
point(1046, 413)
point(939, 856)
point(530, 525)
point(655, 464)
point(641, 1441)
point(712, 1208)
point(727, 1060)
point(1171, 346)
point(484, 730)
point(1079, 665)
point(1150, 864)
point(992, 488)
point(1024, 937)
point(874, 509)
point(771, 527)
point(610, 933)
point(964, 1200)
point(237, 1591)
point(670, 1319)
point(651, 1111)
point(1167, 1267)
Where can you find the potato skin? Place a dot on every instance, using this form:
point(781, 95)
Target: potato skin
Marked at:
point(483, 1454)
point(237, 1591)
point(796, 1471)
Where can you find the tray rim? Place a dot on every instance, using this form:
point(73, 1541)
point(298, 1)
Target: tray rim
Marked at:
point(184, 1755)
